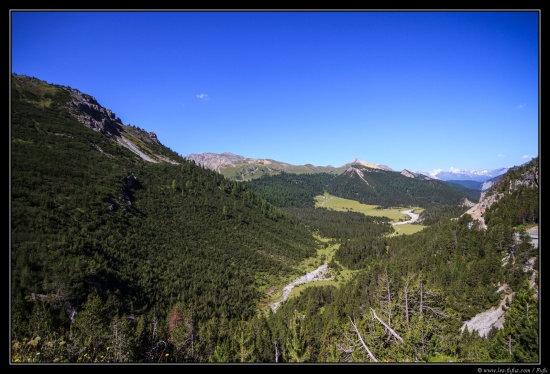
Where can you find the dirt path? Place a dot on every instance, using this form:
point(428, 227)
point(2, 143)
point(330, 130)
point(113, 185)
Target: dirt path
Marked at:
point(326, 199)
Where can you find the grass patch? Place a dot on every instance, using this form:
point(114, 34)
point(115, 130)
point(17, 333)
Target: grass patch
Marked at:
point(407, 229)
point(338, 203)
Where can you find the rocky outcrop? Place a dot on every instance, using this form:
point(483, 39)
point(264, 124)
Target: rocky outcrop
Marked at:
point(494, 317)
point(88, 112)
point(410, 174)
point(523, 175)
point(485, 201)
point(215, 161)
point(369, 164)
point(407, 173)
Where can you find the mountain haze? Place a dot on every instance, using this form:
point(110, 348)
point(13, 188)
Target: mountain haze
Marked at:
point(465, 175)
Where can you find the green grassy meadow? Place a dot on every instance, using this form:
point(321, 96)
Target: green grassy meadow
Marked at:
point(337, 203)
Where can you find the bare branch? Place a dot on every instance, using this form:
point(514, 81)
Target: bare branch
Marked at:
point(438, 312)
point(406, 293)
point(345, 352)
point(361, 339)
point(385, 325)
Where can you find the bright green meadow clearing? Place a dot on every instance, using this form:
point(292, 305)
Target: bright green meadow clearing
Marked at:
point(337, 203)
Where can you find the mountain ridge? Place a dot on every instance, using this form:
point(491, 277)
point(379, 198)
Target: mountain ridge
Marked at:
point(244, 168)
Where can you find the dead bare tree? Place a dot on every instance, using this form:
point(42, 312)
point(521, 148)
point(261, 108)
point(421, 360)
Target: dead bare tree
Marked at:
point(385, 295)
point(392, 331)
point(405, 297)
point(277, 353)
point(362, 341)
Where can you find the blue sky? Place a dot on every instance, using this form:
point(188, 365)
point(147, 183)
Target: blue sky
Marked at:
point(407, 89)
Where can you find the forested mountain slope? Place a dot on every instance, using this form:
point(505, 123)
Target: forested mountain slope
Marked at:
point(295, 194)
point(472, 191)
point(390, 188)
point(140, 229)
point(517, 193)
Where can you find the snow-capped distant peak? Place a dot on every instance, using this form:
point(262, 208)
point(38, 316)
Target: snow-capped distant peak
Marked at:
point(459, 174)
point(432, 173)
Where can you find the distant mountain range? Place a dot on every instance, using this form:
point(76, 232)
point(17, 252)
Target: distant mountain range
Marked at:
point(474, 185)
point(238, 167)
point(243, 168)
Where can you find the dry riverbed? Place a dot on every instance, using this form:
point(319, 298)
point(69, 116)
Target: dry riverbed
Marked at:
point(321, 273)
point(414, 217)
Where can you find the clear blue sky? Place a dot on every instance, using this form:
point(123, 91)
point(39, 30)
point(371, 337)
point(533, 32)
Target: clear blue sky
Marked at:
point(410, 90)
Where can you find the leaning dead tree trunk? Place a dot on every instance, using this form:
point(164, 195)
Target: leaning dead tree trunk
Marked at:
point(406, 297)
point(276, 344)
point(361, 339)
point(386, 326)
point(389, 297)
